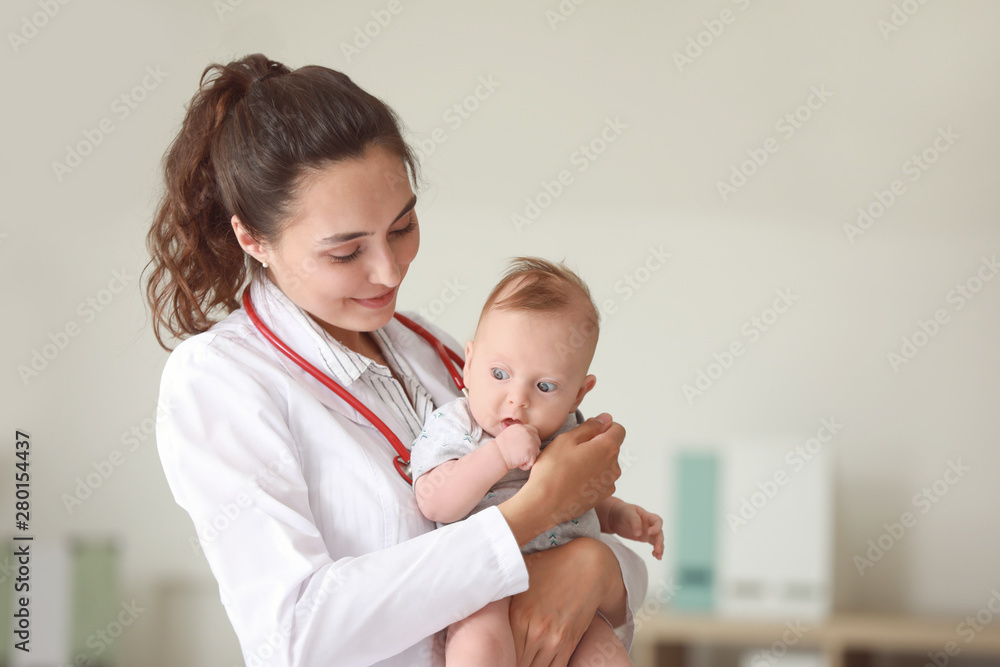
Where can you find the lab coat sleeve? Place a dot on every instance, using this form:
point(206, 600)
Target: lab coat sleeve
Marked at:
point(223, 426)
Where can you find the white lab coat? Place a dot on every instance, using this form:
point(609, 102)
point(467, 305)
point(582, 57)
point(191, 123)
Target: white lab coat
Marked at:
point(320, 552)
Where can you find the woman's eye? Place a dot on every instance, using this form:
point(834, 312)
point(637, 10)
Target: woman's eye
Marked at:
point(409, 228)
point(338, 259)
point(546, 386)
point(500, 374)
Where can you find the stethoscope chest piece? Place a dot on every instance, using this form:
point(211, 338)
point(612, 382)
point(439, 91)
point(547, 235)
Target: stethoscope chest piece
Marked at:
point(404, 469)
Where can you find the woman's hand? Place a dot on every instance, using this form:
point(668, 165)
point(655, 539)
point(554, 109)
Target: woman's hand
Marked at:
point(577, 470)
point(568, 584)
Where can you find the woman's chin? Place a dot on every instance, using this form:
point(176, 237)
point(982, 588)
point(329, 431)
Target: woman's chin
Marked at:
point(370, 320)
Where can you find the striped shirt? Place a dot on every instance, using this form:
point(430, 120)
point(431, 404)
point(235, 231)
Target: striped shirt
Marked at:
point(411, 403)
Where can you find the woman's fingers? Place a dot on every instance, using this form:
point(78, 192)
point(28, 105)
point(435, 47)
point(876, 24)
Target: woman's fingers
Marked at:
point(588, 429)
point(545, 651)
point(549, 618)
point(579, 468)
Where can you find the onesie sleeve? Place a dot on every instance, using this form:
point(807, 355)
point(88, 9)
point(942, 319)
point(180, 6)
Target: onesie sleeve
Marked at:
point(448, 434)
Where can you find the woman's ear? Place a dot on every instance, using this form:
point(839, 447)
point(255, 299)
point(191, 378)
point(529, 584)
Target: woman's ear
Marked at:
point(247, 242)
point(588, 384)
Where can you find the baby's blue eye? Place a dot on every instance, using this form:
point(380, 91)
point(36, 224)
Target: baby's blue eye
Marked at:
point(547, 386)
point(500, 374)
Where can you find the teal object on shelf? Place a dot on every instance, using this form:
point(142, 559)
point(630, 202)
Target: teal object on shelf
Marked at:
point(697, 485)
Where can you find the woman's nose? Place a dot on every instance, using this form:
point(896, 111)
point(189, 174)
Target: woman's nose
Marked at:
point(383, 268)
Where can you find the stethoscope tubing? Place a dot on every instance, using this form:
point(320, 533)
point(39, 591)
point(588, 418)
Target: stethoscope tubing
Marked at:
point(402, 460)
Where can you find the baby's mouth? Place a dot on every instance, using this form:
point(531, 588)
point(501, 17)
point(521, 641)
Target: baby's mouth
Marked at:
point(507, 422)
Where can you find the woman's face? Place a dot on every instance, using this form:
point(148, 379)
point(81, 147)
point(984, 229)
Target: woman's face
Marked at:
point(348, 244)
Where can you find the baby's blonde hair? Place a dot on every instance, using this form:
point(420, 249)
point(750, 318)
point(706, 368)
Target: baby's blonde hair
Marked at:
point(536, 284)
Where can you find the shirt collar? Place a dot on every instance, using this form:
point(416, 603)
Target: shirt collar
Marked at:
point(343, 363)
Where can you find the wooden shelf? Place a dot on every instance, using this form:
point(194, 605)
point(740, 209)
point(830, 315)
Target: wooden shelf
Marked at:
point(847, 640)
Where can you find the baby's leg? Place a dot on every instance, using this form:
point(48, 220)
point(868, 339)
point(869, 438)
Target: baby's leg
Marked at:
point(599, 646)
point(483, 639)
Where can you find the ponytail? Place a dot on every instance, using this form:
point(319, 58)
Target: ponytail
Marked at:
point(252, 131)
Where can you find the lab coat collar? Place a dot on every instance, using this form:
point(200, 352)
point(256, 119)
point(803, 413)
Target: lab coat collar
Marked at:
point(344, 364)
point(301, 333)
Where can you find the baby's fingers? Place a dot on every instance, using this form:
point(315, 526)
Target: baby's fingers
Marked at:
point(657, 541)
point(655, 533)
point(653, 523)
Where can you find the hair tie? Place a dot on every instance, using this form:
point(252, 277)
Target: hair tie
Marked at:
point(274, 70)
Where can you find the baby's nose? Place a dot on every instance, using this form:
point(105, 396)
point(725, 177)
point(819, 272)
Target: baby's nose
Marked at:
point(518, 398)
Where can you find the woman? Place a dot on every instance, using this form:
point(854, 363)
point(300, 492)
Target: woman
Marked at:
point(300, 181)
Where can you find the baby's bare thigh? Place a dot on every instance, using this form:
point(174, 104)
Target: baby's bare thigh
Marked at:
point(484, 638)
point(599, 646)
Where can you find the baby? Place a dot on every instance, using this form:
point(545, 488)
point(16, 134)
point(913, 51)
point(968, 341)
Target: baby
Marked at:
point(525, 375)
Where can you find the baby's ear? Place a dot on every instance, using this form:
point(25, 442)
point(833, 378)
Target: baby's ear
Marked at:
point(468, 357)
point(588, 384)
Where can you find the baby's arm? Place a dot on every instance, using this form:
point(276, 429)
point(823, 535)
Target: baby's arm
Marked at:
point(450, 491)
point(632, 522)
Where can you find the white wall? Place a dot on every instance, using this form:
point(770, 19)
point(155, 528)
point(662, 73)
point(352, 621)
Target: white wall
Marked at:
point(654, 187)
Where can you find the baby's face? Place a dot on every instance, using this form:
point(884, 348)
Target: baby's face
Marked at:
point(523, 367)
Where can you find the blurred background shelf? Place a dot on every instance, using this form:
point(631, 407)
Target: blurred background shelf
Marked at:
point(844, 640)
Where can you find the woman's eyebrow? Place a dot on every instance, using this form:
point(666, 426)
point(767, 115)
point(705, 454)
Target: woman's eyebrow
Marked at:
point(407, 208)
point(350, 236)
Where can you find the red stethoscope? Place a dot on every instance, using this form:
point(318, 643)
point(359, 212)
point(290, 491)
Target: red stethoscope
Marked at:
point(402, 459)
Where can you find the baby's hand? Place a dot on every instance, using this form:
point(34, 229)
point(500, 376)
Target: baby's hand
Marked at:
point(635, 523)
point(519, 445)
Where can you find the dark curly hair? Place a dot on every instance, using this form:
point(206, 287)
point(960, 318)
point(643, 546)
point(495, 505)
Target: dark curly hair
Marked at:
point(253, 131)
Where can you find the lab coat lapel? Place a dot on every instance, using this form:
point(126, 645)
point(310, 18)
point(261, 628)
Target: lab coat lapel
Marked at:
point(277, 316)
point(423, 359)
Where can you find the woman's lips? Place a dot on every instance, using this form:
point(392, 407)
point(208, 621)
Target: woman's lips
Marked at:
point(379, 301)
